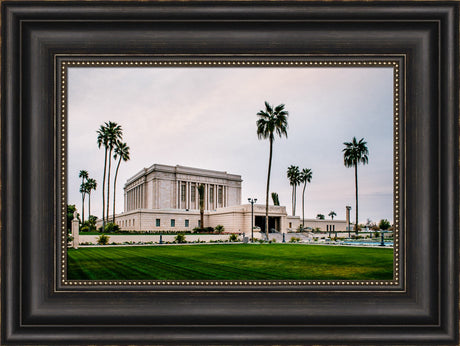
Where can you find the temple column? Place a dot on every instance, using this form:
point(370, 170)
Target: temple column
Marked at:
point(189, 188)
point(206, 197)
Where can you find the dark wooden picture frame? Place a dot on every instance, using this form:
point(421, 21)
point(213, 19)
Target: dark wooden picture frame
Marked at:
point(37, 309)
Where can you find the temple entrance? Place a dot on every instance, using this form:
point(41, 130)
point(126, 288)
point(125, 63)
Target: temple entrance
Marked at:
point(274, 223)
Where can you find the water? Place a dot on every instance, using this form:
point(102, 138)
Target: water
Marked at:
point(368, 243)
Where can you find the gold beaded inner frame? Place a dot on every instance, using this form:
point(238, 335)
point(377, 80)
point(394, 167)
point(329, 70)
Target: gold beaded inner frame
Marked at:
point(63, 63)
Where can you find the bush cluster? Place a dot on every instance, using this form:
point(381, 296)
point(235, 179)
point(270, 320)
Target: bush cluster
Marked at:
point(103, 239)
point(233, 237)
point(204, 230)
point(180, 238)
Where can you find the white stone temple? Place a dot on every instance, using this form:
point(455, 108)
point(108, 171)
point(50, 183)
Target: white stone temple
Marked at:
point(165, 198)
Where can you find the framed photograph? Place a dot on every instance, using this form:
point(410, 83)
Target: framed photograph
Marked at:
point(230, 172)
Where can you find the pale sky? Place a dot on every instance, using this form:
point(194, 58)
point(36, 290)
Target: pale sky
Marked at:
point(206, 118)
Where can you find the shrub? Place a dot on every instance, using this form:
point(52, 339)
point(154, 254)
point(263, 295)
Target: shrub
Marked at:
point(84, 228)
point(209, 229)
point(219, 229)
point(294, 240)
point(233, 237)
point(103, 239)
point(69, 238)
point(180, 238)
point(111, 227)
point(273, 240)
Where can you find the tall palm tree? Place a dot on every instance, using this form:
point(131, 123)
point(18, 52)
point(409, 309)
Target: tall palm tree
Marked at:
point(271, 121)
point(293, 174)
point(107, 135)
point(332, 214)
point(355, 153)
point(201, 200)
point(275, 198)
point(84, 176)
point(305, 177)
point(122, 153)
point(102, 140)
point(91, 184)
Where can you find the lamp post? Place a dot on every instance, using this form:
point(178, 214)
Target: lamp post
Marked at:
point(252, 201)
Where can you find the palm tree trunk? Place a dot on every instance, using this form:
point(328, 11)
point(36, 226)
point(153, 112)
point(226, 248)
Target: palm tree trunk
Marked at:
point(292, 200)
point(103, 190)
point(114, 189)
point(303, 208)
point(89, 203)
point(108, 184)
point(356, 197)
point(268, 186)
point(201, 218)
point(82, 208)
point(295, 193)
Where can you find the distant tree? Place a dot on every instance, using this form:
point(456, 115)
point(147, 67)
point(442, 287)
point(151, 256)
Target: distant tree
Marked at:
point(275, 198)
point(305, 177)
point(293, 174)
point(122, 153)
point(332, 214)
point(320, 217)
point(384, 224)
point(373, 226)
point(271, 121)
point(355, 153)
point(201, 202)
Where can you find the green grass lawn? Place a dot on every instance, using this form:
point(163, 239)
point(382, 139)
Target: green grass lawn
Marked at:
point(230, 262)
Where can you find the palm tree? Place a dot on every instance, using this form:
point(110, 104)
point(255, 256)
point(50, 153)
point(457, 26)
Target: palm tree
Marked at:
point(107, 135)
point(84, 176)
point(122, 153)
point(305, 177)
point(355, 153)
point(332, 214)
point(293, 174)
point(201, 199)
point(91, 184)
point(271, 121)
point(102, 140)
point(275, 198)
point(83, 191)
